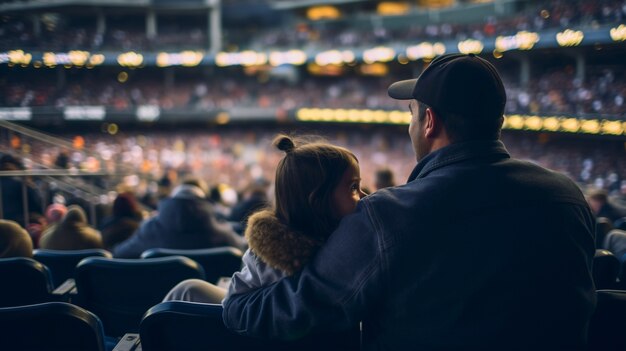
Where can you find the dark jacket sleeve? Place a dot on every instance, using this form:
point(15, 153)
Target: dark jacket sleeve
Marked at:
point(329, 294)
point(144, 238)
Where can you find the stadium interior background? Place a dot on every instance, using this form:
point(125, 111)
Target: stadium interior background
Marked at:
point(122, 94)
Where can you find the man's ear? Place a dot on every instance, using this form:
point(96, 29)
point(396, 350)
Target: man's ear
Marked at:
point(432, 124)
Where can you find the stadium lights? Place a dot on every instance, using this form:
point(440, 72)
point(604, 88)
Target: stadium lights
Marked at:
point(130, 59)
point(618, 33)
point(323, 12)
point(244, 58)
point(73, 58)
point(334, 57)
point(352, 116)
point(379, 54)
point(511, 122)
point(425, 50)
point(551, 124)
point(96, 59)
point(569, 37)
point(471, 46)
point(186, 58)
point(78, 58)
point(522, 41)
point(291, 57)
point(392, 8)
point(16, 57)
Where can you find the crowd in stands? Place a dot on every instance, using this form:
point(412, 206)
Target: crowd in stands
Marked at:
point(130, 35)
point(556, 91)
point(241, 158)
point(236, 167)
point(537, 17)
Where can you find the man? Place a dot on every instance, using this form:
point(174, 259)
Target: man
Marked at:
point(476, 252)
point(602, 206)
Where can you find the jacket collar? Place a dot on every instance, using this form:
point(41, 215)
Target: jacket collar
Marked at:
point(456, 153)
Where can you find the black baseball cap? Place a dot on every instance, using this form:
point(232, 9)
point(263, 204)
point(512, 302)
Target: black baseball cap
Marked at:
point(456, 83)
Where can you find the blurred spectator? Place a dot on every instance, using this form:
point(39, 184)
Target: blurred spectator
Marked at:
point(35, 228)
point(123, 222)
point(71, 233)
point(254, 199)
point(14, 240)
point(62, 160)
point(384, 179)
point(55, 213)
point(184, 221)
point(615, 242)
point(12, 191)
point(602, 206)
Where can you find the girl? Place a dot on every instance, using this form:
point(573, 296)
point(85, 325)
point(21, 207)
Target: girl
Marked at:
point(317, 184)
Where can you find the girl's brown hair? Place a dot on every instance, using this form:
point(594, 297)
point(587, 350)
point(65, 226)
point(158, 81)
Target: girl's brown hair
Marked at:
point(305, 179)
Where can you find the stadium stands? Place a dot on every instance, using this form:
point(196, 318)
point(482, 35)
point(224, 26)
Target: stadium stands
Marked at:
point(174, 108)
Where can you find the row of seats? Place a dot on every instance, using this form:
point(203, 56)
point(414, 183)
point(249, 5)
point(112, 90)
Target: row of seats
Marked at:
point(178, 325)
point(118, 291)
point(217, 262)
point(168, 326)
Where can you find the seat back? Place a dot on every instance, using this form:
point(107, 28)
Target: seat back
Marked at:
point(607, 329)
point(62, 263)
point(179, 325)
point(50, 326)
point(120, 291)
point(605, 269)
point(24, 282)
point(217, 262)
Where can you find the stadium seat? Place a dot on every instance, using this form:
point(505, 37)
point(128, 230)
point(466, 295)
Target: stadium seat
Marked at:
point(603, 227)
point(120, 291)
point(50, 326)
point(605, 269)
point(217, 262)
point(607, 330)
point(24, 282)
point(178, 325)
point(62, 263)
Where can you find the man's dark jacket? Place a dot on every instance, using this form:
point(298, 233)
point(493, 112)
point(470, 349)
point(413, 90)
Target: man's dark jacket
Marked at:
point(476, 252)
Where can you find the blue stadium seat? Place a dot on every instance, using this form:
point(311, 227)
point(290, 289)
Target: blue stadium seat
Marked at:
point(190, 326)
point(217, 262)
point(605, 269)
point(51, 326)
point(62, 263)
point(607, 330)
point(24, 282)
point(120, 291)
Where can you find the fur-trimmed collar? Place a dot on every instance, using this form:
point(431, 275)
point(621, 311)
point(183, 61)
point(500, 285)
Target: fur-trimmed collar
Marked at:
point(278, 246)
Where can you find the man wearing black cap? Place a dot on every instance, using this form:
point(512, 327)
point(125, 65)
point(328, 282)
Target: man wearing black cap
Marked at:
point(477, 251)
